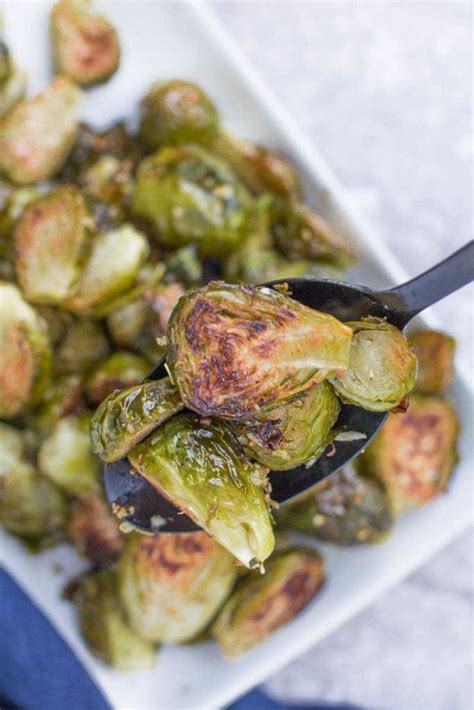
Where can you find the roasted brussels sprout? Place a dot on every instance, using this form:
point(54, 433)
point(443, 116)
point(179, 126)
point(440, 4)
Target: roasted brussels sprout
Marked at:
point(260, 169)
point(37, 134)
point(12, 90)
point(171, 586)
point(25, 353)
point(345, 509)
point(111, 269)
point(382, 367)
point(414, 454)
point(435, 353)
point(66, 456)
point(177, 113)
point(126, 418)
point(83, 344)
point(13, 201)
point(93, 530)
point(200, 468)
point(140, 323)
point(256, 260)
point(291, 433)
point(234, 350)
point(192, 197)
point(62, 397)
point(118, 371)
point(108, 185)
point(184, 266)
point(262, 603)
point(85, 44)
point(300, 233)
point(30, 506)
point(103, 624)
point(52, 241)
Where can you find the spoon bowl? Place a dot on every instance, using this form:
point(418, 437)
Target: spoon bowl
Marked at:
point(143, 507)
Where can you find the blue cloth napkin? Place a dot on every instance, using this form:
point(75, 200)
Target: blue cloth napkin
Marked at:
point(38, 670)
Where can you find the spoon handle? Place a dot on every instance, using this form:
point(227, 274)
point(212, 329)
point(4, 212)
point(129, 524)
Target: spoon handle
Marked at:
point(433, 285)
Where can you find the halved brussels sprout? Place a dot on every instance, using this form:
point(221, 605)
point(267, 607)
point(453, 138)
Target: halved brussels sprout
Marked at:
point(344, 509)
point(260, 169)
point(108, 184)
point(414, 454)
point(112, 268)
point(37, 134)
point(118, 371)
point(300, 233)
point(103, 625)
point(191, 197)
point(25, 353)
point(291, 433)
point(126, 418)
point(177, 113)
point(382, 367)
point(200, 467)
point(234, 350)
point(138, 324)
point(13, 90)
point(83, 344)
point(171, 586)
point(62, 397)
point(260, 604)
point(52, 241)
point(85, 44)
point(66, 456)
point(93, 530)
point(435, 354)
point(30, 506)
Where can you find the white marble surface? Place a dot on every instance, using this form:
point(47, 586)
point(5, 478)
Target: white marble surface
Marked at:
point(385, 91)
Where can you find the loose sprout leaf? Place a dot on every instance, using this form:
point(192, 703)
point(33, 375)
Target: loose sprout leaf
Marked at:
point(125, 418)
point(171, 586)
point(234, 350)
point(382, 367)
point(200, 468)
point(37, 134)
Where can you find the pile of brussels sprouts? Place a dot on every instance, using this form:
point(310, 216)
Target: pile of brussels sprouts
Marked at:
point(102, 233)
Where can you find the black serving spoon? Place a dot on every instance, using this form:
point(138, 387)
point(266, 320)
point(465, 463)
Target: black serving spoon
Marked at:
point(347, 302)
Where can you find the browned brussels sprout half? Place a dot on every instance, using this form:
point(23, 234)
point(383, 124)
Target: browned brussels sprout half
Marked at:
point(300, 233)
point(37, 134)
point(260, 169)
point(118, 371)
point(171, 586)
point(52, 241)
point(25, 353)
point(382, 367)
point(435, 353)
point(93, 530)
point(293, 432)
point(192, 197)
point(126, 418)
point(85, 44)
point(66, 456)
point(234, 350)
point(345, 509)
point(103, 623)
point(415, 453)
point(177, 113)
point(261, 604)
point(201, 469)
point(30, 506)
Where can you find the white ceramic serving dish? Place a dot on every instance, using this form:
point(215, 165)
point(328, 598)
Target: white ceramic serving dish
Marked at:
point(176, 39)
